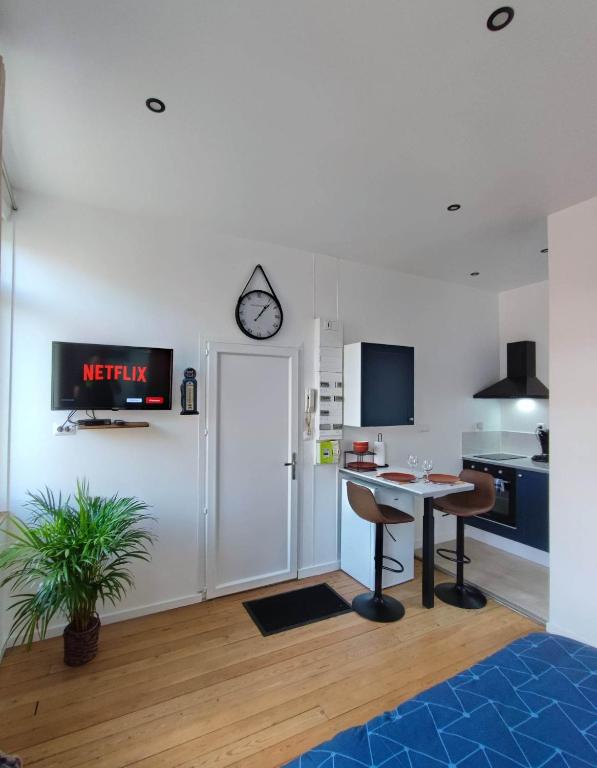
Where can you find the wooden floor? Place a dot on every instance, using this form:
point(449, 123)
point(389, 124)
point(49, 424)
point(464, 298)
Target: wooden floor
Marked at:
point(514, 581)
point(199, 686)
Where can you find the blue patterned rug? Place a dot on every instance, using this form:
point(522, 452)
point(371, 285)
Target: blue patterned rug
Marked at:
point(532, 704)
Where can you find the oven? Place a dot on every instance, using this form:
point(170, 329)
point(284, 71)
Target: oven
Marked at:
point(504, 511)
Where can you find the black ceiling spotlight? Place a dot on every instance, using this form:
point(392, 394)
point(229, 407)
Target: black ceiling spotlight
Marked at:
point(545, 250)
point(500, 18)
point(475, 274)
point(454, 207)
point(155, 105)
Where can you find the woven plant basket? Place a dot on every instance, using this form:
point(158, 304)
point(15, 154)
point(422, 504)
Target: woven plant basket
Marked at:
point(81, 647)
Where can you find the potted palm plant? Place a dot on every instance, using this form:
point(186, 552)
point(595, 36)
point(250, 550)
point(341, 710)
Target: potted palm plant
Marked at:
point(69, 556)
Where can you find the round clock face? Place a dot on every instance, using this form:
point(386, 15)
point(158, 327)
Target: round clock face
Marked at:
point(259, 314)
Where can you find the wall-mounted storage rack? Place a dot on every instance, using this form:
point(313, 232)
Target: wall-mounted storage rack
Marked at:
point(129, 425)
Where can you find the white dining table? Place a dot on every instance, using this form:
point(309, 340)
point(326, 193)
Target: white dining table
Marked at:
point(424, 494)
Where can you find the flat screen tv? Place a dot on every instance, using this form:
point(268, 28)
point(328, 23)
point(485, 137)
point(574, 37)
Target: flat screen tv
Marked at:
point(104, 376)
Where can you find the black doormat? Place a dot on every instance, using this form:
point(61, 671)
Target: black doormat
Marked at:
point(278, 613)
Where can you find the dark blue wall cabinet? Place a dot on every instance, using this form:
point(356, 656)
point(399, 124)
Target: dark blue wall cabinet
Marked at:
point(532, 510)
point(379, 385)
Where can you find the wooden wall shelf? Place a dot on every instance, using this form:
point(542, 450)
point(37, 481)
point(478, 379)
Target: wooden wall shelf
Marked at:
point(128, 425)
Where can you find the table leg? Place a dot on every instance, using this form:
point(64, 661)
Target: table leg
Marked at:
point(428, 553)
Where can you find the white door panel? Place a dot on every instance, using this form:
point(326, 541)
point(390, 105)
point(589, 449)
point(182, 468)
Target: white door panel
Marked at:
point(252, 433)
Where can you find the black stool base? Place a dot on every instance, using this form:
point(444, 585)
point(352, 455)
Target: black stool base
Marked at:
point(463, 596)
point(383, 608)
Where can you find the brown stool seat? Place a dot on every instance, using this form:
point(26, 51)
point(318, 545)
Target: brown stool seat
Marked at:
point(363, 503)
point(464, 505)
point(376, 606)
point(394, 516)
point(476, 502)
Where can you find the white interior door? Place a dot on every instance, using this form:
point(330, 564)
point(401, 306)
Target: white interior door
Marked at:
point(252, 432)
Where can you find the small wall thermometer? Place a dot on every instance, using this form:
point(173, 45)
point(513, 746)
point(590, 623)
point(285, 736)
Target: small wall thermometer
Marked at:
point(188, 393)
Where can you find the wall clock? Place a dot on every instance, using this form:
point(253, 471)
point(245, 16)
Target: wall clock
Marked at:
point(258, 312)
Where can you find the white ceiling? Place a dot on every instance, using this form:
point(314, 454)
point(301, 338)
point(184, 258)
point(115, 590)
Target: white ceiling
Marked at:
point(339, 126)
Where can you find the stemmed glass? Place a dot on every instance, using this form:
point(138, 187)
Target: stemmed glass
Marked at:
point(427, 467)
point(413, 462)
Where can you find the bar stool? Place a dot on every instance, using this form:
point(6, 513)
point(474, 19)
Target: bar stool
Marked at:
point(464, 505)
point(375, 606)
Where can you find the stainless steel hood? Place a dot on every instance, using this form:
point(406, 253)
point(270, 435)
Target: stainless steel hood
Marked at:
point(521, 380)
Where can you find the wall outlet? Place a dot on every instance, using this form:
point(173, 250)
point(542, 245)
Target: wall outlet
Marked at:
point(60, 430)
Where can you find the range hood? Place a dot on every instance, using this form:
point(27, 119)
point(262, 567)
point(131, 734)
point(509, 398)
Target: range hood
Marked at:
point(521, 380)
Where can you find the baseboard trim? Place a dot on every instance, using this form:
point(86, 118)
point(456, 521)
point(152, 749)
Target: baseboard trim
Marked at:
point(511, 547)
point(317, 570)
point(133, 613)
point(490, 593)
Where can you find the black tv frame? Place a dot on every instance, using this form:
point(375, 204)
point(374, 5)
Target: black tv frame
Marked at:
point(166, 406)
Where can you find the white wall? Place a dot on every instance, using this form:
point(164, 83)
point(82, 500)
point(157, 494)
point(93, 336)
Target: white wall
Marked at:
point(6, 281)
point(524, 316)
point(89, 275)
point(573, 362)
point(85, 274)
point(4, 615)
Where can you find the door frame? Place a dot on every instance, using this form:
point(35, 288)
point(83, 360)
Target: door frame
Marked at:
point(213, 351)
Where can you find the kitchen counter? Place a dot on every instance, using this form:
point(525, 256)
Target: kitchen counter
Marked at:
point(420, 488)
point(416, 498)
point(526, 463)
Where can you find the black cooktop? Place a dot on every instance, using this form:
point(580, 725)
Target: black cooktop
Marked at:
point(499, 456)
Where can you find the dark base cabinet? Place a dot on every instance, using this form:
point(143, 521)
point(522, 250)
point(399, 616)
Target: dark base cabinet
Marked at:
point(532, 510)
point(532, 494)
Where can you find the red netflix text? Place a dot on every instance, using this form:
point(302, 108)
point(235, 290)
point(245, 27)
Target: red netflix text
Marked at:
point(110, 372)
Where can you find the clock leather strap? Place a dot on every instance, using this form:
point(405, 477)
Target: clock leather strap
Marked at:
point(269, 285)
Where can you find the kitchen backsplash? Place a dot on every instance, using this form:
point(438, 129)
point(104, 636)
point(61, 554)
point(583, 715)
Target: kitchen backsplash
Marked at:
point(525, 443)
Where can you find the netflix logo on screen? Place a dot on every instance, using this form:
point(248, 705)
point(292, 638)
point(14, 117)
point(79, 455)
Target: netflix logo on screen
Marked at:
point(109, 371)
point(105, 376)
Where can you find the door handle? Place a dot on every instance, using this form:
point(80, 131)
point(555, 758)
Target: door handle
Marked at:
point(292, 464)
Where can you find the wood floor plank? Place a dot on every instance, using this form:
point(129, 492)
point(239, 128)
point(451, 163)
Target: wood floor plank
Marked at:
point(200, 686)
point(284, 751)
point(339, 697)
point(222, 608)
point(173, 666)
point(55, 720)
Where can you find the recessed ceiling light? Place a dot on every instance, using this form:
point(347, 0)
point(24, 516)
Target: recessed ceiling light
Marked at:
point(454, 207)
point(155, 105)
point(475, 274)
point(500, 18)
point(545, 250)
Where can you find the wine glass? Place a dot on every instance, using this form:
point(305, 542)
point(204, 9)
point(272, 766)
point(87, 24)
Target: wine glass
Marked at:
point(413, 462)
point(427, 467)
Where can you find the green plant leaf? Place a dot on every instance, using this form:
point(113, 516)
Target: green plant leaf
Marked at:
point(70, 555)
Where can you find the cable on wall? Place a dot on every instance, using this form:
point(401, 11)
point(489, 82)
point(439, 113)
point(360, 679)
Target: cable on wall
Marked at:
point(8, 187)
